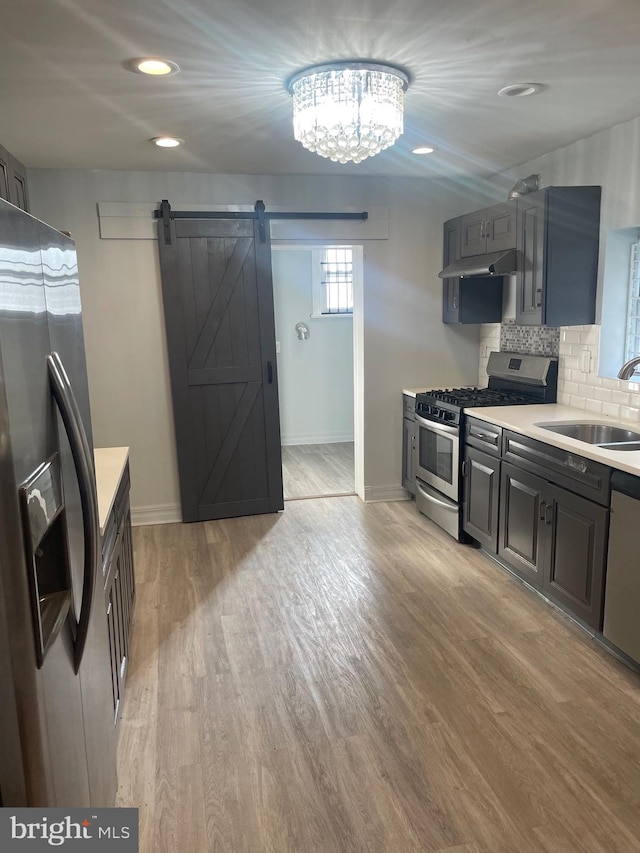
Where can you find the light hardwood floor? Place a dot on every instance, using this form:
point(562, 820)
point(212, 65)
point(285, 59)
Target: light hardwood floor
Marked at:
point(311, 470)
point(344, 677)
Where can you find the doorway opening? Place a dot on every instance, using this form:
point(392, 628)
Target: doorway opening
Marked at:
point(317, 291)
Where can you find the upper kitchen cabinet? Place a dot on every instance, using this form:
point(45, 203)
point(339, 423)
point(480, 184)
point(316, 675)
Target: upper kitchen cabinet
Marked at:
point(450, 286)
point(13, 180)
point(467, 300)
point(557, 242)
point(492, 229)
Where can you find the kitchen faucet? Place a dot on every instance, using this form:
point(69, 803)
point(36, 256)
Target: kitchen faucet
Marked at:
point(629, 368)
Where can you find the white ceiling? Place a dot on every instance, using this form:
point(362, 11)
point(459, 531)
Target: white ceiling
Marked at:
point(67, 102)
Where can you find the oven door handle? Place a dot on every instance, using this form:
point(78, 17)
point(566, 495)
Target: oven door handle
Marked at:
point(433, 500)
point(449, 430)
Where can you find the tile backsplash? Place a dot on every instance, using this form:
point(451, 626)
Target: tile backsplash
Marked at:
point(529, 340)
point(617, 398)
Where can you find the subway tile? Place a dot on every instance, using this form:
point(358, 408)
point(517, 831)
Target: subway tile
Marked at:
point(593, 406)
point(622, 398)
point(577, 401)
point(603, 394)
point(570, 387)
point(629, 413)
point(611, 409)
point(564, 399)
point(612, 384)
point(570, 336)
point(591, 337)
point(575, 375)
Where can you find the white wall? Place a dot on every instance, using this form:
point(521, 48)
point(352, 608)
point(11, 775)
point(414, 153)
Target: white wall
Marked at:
point(610, 159)
point(315, 376)
point(405, 343)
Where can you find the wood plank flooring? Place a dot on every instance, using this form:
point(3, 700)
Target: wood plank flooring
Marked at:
point(345, 677)
point(313, 470)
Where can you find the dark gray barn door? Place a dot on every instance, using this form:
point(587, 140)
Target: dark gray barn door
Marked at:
point(218, 303)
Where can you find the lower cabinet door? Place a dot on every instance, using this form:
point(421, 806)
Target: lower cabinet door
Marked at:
point(522, 523)
point(577, 536)
point(481, 495)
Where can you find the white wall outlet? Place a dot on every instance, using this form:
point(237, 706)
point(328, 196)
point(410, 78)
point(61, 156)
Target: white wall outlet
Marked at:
point(585, 361)
point(277, 347)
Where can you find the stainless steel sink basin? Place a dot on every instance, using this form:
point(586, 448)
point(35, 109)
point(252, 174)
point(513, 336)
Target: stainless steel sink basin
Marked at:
point(604, 435)
point(621, 445)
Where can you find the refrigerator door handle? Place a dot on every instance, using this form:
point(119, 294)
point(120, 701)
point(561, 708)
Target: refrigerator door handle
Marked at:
point(82, 459)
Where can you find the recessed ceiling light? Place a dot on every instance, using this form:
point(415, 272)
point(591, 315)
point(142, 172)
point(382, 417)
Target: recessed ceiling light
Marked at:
point(153, 66)
point(166, 141)
point(520, 90)
point(423, 149)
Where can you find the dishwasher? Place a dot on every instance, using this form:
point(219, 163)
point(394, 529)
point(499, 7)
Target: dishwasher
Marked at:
point(622, 594)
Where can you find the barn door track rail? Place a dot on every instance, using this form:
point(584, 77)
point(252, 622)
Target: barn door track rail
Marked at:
point(259, 212)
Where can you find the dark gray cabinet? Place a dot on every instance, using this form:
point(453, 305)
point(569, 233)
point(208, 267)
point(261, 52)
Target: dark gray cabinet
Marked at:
point(119, 588)
point(576, 539)
point(451, 286)
point(557, 238)
point(543, 511)
point(408, 443)
point(481, 495)
point(13, 180)
point(521, 523)
point(477, 299)
point(551, 536)
point(492, 229)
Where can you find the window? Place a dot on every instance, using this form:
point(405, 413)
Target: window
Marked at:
point(632, 341)
point(333, 271)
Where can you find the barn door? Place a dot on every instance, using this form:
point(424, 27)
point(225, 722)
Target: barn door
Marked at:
point(218, 305)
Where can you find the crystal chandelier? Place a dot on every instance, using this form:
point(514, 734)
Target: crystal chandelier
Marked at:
point(348, 110)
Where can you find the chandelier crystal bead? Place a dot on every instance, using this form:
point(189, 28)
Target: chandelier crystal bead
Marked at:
point(348, 111)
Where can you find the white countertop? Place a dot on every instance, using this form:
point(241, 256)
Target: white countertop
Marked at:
point(525, 420)
point(110, 463)
point(411, 392)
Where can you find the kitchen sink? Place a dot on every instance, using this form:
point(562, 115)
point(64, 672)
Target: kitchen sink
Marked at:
point(604, 435)
point(621, 445)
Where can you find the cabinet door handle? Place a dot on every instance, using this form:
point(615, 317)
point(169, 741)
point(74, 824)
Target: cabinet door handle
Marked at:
point(455, 302)
point(463, 468)
point(548, 513)
point(487, 228)
point(542, 508)
point(482, 229)
point(538, 297)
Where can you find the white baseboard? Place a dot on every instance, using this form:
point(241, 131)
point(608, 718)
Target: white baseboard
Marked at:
point(386, 493)
point(291, 440)
point(172, 513)
point(158, 514)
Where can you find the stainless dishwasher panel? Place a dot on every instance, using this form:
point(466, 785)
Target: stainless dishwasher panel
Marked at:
point(622, 593)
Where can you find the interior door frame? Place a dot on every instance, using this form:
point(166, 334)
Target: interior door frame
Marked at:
point(358, 344)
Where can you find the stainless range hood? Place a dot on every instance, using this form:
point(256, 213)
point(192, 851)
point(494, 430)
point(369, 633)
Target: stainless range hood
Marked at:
point(495, 263)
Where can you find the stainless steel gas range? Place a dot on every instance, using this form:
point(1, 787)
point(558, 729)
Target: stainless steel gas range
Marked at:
point(514, 380)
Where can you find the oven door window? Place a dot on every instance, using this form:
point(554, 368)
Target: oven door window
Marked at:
point(436, 454)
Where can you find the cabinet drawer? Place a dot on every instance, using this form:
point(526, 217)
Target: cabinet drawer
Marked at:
point(408, 407)
point(483, 435)
point(569, 470)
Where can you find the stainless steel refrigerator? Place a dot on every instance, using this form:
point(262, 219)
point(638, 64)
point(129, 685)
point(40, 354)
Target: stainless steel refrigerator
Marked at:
point(57, 735)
